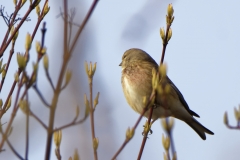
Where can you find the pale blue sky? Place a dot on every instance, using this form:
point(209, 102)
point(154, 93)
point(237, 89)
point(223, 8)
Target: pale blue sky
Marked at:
point(203, 61)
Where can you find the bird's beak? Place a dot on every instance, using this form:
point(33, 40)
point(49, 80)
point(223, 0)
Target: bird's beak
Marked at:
point(120, 64)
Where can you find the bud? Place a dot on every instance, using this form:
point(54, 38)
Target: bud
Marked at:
point(170, 10)
point(95, 143)
point(1, 63)
point(129, 133)
point(57, 136)
point(162, 33)
point(155, 78)
point(28, 42)
point(3, 68)
point(68, 76)
point(16, 77)
point(24, 106)
point(21, 61)
point(96, 100)
point(94, 68)
point(237, 114)
point(76, 156)
point(23, 2)
point(43, 51)
point(9, 103)
point(87, 105)
point(16, 34)
point(3, 73)
point(35, 67)
point(15, 2)
point(46, 9)
point(167, 123)
point(38, 46)
point(166, 142)
point(169, 34)
point(38, 10)
point(45, 62)
point(163, 70)
point(225, 118)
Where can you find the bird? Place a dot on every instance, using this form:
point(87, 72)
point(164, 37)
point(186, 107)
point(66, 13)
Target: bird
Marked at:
point(136, 80)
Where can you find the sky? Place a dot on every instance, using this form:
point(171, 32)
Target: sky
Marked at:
point(202, 57)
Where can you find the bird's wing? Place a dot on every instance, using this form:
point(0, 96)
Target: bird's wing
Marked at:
point(181, 98)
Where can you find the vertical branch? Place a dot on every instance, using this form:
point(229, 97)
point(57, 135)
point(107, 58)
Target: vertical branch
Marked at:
point(130, 132)
point(65, 36)
point(165, 39)
point(27, 127)
point(92, 116)
point(145, 134)
point(90, 73)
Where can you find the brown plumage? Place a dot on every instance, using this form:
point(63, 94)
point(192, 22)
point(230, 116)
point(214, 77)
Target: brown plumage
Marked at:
point(136, 81)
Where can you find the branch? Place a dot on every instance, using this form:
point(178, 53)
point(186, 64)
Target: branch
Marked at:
point(8, 64)
point(74, 122)
point(27, 129)
point(135, 126)
point(41, 96)
point(145, 134)
point(41, 122)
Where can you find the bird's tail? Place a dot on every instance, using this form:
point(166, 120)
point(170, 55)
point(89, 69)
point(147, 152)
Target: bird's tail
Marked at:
point(199, 128)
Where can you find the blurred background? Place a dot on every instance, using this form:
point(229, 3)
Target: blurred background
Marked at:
point(203, 61)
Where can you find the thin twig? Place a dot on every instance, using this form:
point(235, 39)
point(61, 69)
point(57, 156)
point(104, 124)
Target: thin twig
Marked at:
point(232, 127)
point(135, 126)
point(71, 17)
point(8, 64)
point(27, 128)
point(92, 116)
point(41, 96)
point(39, 120)
point(17, 8)
point(6, 42)
point(74, 122)
point(15, 82)
point(49, 79)
point(19, 71)
point(83, 25)
point(165, 44)
point(4, 135)
point(145, 136)
point(13, 150)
